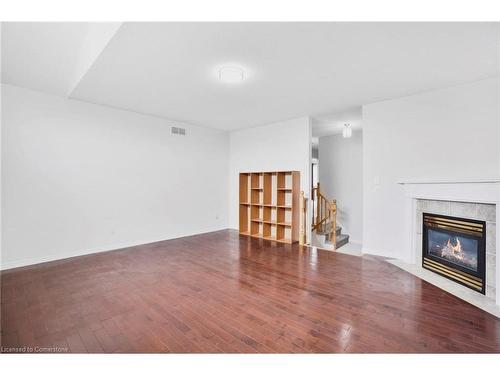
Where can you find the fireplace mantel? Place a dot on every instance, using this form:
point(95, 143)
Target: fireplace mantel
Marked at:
point(486, 190)
point(479, 190)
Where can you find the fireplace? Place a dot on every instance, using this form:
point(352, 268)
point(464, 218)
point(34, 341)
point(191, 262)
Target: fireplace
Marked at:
point(455, 248)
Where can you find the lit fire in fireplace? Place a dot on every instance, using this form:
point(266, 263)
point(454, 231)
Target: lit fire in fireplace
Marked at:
point(453, 251)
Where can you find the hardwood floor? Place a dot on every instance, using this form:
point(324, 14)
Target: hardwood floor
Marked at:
point(225, 293)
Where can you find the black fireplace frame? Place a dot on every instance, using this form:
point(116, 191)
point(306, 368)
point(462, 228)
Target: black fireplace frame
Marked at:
point(481, 268)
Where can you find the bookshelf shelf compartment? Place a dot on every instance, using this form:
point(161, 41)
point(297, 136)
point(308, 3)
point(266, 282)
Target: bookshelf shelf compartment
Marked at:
point(269, 205)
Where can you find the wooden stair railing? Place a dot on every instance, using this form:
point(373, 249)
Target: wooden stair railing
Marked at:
point(325, 214)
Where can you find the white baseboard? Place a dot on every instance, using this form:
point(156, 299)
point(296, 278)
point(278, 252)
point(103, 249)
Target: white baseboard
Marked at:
point(52, 257)
point(364, 250)
point(356, 242)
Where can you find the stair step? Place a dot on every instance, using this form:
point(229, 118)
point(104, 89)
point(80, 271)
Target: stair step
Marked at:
point(341, 240)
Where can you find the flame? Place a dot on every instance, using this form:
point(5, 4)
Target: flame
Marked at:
point(457, 248)
point(454, 250)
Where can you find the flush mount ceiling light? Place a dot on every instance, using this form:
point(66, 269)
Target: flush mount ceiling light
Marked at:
point(347, 131)
point(231, 74)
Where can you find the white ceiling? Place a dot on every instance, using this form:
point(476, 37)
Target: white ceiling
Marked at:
point(294, 69)
point(330, 124)
point(41, 56)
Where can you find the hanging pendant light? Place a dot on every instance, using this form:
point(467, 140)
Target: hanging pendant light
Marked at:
point(347, 131)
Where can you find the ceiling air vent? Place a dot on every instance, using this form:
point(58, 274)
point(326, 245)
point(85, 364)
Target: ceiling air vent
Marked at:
point(178, 131)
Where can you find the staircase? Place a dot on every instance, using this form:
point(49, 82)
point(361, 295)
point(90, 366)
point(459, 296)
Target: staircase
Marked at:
point(324, 220)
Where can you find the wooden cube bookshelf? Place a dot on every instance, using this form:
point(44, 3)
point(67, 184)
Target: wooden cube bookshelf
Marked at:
point(269, 205)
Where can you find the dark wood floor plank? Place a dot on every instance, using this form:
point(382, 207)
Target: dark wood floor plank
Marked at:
point(224, 293)
point(91, 343)
point(75, 343)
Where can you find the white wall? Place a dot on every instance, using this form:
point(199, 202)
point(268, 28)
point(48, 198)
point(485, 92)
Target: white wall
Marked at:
point(1, 173)
point(280, 146)
point(341, 178)
point(80, 178)
point(443, 134)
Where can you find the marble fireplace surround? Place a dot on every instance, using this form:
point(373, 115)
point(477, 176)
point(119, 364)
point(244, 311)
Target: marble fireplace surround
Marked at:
point(473, 198)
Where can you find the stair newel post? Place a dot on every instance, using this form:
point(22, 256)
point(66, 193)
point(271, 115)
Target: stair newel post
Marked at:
point(329, 221)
